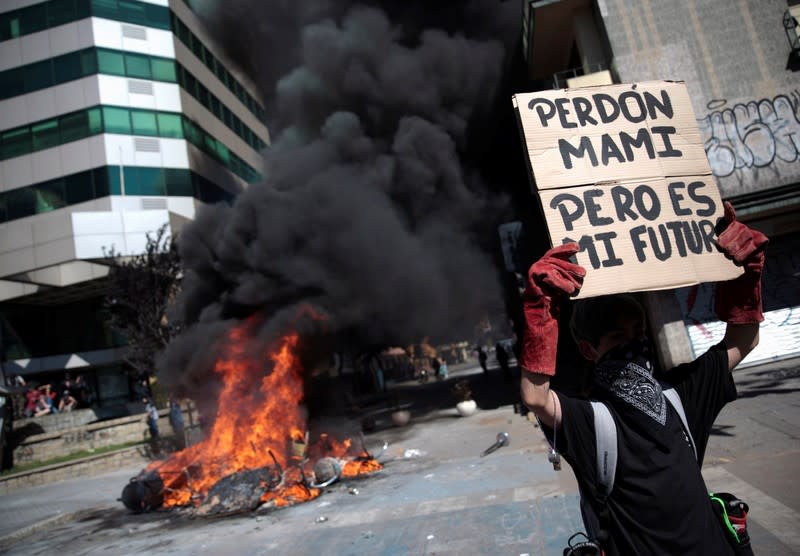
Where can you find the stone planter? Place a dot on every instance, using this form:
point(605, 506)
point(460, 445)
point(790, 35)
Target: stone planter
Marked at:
point(466, 408)
point(401, 417)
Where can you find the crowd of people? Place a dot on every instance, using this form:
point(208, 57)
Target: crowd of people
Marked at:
point(44, 399)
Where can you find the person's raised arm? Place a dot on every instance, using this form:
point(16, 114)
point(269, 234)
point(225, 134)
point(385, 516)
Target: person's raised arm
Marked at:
point(738, 302)
point(549, 279)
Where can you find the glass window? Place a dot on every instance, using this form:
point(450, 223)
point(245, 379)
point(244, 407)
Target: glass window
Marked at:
point(163, 70)
point(191, 133)
point(83, 9)
point(184, 34)
point(116, 120)
point(67, 67)
point(157, 16)
point(132, 12)
point(169, 125)
point(110, 62)
point(113, 181)
point(45, 134)
point(216, 106)
point(33, 18)
point(60, 12)
point(78, 188)
point(16, 142)
point(15, 27)
point(150, 181)
point(88, 62)
point(100, 182)
point(222, 152)
point(237, 126)
point(3, 210)
point(105, 8)
point(20, 203)
point(197, 47)
point(95, 121)
point(5, 26)
point(12, 83)
point(137, 65)
point(191, 84)
point(38, 76)
point(74, 126)
point(49, 195)
point(203, 95)
point(208, 59)
point(178, 182)
point(144, 123)
point(227, 116)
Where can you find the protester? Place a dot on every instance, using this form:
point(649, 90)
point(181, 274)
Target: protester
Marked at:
point(659, 503)
point(482, 358)
point(176, 421)
point(502, 358)
point(45, 403)
point(152, 417)
point(31, 401)
point(67, 402)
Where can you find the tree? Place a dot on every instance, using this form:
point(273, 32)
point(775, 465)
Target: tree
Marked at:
point(141, 290)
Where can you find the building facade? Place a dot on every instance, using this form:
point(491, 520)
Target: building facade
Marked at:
point(740, 63)
point(117, 117)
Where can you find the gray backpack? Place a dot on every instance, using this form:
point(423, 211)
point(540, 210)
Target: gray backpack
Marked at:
point(605, 431)
point(730, 510)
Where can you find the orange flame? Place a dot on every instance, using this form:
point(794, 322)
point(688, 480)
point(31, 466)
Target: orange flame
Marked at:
point(260, 417)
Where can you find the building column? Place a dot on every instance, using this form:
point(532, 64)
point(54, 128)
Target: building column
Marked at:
point(669, 331)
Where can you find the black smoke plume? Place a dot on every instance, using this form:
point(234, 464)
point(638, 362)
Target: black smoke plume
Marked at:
point(373, 210)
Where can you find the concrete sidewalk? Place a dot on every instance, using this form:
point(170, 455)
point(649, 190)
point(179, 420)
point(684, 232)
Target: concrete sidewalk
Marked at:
point(436, 495)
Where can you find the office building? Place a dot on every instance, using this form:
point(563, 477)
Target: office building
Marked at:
point(739, 62)
point(117, 117)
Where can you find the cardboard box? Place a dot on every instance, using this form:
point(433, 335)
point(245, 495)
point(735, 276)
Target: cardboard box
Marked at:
point(621, 170)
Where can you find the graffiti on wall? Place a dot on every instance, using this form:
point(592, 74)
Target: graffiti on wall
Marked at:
point(752, 135)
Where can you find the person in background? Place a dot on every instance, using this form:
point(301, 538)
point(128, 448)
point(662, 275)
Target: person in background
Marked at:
point(482, 357)
point(44, 403)
point(176, 421)
point(502, 358)
point(152, 417)
point(67, 402)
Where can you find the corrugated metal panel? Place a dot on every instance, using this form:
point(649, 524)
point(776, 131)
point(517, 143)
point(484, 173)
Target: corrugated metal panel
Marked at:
point(140, 87)
point(146, 145)
point(780, 336)
point(134, 32)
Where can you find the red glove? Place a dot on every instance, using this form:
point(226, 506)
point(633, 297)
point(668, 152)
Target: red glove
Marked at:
point(738, 301)
point(549, 279)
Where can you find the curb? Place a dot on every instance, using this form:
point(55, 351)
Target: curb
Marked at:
point(6, 541)
point(89, 466)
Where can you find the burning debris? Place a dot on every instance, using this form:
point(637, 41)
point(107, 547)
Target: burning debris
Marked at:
point(373, 211)
point(255, 452)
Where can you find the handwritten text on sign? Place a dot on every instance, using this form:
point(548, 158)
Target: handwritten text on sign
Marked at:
point(622, 171)
point(620, 132)
point(634, 233)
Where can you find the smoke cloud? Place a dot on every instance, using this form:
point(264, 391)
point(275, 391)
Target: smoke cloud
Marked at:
point(373, 211)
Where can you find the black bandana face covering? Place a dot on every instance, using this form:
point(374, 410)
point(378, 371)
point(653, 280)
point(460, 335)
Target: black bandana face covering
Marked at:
point(626, 372)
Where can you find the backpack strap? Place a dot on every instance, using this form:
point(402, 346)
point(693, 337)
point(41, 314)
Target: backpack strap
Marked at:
point(605, 433)
point(675, 401)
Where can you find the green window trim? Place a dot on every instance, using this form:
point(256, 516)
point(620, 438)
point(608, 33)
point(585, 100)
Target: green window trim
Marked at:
point(46, 15)
point(89, 61)
point(202, 53)
point(103, 181)
point(70, 127)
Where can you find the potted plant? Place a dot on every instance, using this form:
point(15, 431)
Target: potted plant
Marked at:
point(399, 412)
point(465, 405)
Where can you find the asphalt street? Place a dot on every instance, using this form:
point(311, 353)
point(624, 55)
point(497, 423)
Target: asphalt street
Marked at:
point(435, 495)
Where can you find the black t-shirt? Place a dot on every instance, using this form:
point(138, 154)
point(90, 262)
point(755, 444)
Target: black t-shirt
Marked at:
point(659, 503)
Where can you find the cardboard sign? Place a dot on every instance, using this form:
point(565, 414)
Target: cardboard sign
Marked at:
point(622, 171)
